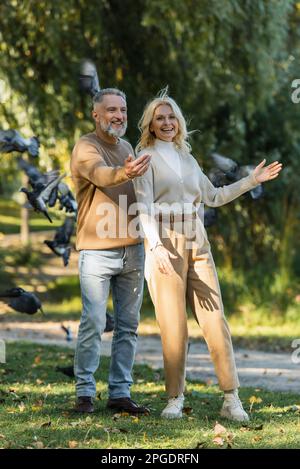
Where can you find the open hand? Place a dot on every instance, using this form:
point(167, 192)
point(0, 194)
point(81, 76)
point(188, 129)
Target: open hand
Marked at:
point(264, 173)
point(135, 168)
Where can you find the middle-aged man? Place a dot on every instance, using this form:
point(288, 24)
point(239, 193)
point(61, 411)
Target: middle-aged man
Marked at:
point(102, 167)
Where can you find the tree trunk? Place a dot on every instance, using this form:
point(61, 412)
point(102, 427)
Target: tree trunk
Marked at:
point(24, 229)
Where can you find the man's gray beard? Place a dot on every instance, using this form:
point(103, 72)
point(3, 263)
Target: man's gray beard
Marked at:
point(114, 132)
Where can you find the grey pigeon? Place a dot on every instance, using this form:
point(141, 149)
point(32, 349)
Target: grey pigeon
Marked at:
point(227, 165)
point(110, 323)
point(210, 216)
point(66, 370)
point(22, 301)
point(11, 140)
point(35, 176)
point(66, 198)
point(36, 201)
point(67, 330)
point(69, 370)
point(88, 78)
point(37, 179)
point(228, 171)
point(40, 195)
point(217, 177)
point(61, 242)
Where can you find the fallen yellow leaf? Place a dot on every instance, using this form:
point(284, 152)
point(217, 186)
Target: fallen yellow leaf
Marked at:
point(218, 441)
point(73, 444)
point(219, 429)
point(254, 400)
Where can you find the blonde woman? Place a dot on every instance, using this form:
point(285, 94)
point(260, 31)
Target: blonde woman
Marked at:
point(179, 264)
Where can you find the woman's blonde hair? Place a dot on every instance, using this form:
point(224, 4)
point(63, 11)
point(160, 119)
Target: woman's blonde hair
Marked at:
point(147, 138)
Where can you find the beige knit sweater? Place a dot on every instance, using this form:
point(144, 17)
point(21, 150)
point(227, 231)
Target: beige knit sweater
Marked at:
point(99, 177)
point(163, 186)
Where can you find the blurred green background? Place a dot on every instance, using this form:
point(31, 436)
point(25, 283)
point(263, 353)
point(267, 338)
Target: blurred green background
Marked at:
point(230, 64)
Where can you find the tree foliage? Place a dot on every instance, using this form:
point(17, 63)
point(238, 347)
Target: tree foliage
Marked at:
point(229, 64)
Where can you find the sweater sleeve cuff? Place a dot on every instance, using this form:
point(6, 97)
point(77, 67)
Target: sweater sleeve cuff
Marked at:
point(254, 181)
point(153, 245)
point(122, 174)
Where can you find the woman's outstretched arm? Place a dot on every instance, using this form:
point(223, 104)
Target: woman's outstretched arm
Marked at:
point(216, 196)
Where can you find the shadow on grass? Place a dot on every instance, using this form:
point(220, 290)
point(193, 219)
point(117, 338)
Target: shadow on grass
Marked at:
point(36, 410)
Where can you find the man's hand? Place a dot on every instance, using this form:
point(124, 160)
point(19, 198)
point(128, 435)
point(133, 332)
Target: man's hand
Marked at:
point(135, 168)
point(162, 257)
point(264, 173)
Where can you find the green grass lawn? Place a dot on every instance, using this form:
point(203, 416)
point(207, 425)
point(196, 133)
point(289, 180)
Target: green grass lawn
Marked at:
point(36, 410)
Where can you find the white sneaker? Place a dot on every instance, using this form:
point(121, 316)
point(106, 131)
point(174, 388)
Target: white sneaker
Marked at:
point(173, 410)
point(232, 408)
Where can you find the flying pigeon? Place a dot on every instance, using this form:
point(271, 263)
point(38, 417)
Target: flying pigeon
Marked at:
point(210, 216)
point(40, 195)
point(66, 198)
point(227, 165)
point(61, 243)
point(228, 171)
point(88, 78)
point(22, 301)
point(69, 370)
point(11, 140)
point(67, 330)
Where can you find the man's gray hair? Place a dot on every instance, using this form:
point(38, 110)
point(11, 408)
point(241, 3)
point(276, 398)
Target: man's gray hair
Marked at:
point(98, 97)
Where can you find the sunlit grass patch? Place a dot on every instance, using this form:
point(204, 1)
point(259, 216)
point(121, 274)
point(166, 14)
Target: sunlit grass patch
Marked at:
point(36, 410)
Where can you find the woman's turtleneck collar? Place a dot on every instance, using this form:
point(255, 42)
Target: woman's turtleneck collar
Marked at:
point(163, 143)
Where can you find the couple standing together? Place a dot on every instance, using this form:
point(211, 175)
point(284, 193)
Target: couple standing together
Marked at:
point(178, 268)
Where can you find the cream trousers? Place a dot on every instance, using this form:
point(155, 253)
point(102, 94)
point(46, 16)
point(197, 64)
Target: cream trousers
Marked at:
point(195, 280)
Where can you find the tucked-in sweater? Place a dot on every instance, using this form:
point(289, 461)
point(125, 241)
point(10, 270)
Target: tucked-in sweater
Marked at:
point(99, 177)
point(163, 186)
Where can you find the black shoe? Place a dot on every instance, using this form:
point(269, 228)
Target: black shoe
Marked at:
point(84, 404)
point(125, 404)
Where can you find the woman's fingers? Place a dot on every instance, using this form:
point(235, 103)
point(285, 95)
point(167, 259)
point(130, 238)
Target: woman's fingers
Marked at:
point(165, 270)
point(166, 267)
point(273, 172)
point(274, 166)
point(261, 164)
point(163, 260)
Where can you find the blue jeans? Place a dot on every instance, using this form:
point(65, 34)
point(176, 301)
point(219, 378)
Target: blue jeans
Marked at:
point(123, 270)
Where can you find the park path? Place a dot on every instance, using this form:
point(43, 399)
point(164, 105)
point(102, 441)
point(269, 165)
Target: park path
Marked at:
point(272, 371)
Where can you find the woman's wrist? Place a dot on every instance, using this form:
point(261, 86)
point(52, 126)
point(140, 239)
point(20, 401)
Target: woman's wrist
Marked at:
point(156, 245)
